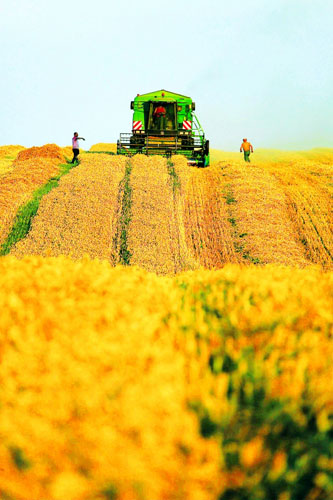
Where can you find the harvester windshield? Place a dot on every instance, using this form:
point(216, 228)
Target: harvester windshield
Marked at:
point(161, 116)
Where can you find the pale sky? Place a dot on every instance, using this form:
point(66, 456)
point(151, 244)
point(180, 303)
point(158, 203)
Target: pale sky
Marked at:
point(260, 69)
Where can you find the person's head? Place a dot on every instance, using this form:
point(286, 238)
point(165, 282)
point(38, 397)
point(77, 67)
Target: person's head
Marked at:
point(75, 134)
point(245, 140)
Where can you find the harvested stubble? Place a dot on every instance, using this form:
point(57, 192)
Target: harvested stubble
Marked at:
point(208, 231)
point(79, 216)
point(111, 378)
point(18, 185)
point(309, 192)
point(281, 205)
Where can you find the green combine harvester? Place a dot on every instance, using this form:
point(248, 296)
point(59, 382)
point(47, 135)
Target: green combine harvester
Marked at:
point(164, 124)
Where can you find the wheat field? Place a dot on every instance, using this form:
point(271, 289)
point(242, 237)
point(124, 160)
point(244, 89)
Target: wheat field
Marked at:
point(166, 331)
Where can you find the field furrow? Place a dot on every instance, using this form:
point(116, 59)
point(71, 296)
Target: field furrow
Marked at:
point(79, 216)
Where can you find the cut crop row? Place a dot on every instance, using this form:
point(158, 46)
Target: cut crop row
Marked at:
point(79, 217)
point(18, 185)
point(156, 236)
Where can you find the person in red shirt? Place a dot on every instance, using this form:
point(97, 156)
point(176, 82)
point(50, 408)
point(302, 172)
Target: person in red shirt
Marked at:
point(247, 148)
point(159, 115)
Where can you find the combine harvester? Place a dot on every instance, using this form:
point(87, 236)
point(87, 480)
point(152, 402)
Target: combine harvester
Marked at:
point(164, 124)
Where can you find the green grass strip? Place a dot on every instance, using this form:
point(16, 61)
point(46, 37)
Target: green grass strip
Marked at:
point(27, 212)
point(240, 243)
point(125, 217)
point(174, 176)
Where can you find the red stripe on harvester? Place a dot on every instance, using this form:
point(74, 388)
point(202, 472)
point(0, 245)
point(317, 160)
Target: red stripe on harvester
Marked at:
point(137, 125)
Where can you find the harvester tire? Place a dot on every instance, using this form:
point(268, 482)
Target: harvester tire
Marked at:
point(201, 162)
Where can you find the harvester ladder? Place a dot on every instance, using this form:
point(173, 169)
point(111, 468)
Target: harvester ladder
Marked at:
point(197, 125)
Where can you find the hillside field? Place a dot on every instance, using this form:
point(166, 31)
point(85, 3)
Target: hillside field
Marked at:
point(166, 331)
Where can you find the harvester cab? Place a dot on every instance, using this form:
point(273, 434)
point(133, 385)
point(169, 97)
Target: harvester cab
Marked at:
point(164, 123)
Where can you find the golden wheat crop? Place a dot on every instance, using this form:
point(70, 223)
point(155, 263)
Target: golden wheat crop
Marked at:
point(47, 151)
point(67, 151)
point(11, 150)
point(98, 406)
point(104, 146)
point(7, 157)
point(180, 217)
point(189, 383)
point(116, 383)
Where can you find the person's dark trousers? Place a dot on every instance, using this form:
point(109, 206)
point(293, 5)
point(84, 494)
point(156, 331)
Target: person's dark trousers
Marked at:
point(76, 154)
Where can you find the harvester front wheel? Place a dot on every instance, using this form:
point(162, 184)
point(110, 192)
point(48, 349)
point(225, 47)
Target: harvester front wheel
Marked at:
point(204, 161)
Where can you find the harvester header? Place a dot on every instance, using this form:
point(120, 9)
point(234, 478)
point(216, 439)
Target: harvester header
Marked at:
point(164, 123)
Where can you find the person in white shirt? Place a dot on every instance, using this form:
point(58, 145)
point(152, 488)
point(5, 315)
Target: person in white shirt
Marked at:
point(75, 146)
